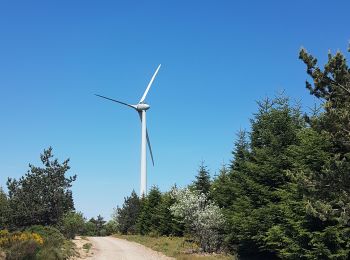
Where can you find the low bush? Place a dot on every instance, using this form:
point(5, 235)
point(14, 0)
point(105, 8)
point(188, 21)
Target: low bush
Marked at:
point(71, 224)
point(52, 236)
point(87, 246)
point(36, 242)
point(20, 245)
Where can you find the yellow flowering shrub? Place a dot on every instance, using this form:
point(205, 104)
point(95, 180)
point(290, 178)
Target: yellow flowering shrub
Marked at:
point(7, 239)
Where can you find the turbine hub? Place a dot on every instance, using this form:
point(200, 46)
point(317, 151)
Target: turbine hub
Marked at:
point(142, 106)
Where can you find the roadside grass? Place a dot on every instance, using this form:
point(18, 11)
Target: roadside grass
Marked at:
point(87, 247)
point(176, 247)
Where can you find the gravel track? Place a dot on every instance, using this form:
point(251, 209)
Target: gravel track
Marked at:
point(110, 248)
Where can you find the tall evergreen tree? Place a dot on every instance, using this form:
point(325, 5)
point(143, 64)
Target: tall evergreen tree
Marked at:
point(168, 223)
point(260, 175)
point(241, 150)
point(149, 217)
point(127, 215)
point(322, 162)
point(202, 182)
point(221, 188)
point(316, 203)
point(143, 222)
point(4, 209)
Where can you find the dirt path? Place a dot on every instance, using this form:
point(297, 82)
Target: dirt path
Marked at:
point(110, 248)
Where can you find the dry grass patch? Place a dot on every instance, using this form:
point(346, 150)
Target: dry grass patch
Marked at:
point(177, 247)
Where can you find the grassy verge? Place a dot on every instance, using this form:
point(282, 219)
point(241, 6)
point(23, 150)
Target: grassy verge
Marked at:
point(176, 247)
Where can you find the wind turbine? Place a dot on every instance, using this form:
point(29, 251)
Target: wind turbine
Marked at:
point(141, 108)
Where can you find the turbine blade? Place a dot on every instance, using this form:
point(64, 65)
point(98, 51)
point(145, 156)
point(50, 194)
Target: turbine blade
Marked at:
point(149, 147)
point(149, 85)
point(148, 141)
point(116, 101)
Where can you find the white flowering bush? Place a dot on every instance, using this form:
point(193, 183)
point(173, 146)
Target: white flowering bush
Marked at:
point(203, 217)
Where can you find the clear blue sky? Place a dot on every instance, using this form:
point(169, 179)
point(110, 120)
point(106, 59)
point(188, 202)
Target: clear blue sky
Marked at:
point(218, 58)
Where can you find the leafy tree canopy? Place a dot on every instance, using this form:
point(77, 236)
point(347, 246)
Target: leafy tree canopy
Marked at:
point(42, 196)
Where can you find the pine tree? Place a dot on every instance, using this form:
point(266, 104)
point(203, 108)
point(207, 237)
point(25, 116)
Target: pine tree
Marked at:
point(43, 195)
point(241, 150)
point(4, 209)
point(143, 222)
point(149, 218)
point(202, 182)
point(221, 188)
point(322, 161)
point(260, 176)
point(315, 206)
point(168, 223)
point(127, 215)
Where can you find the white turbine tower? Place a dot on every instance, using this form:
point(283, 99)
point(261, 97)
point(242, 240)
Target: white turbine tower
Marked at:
point(141, 108)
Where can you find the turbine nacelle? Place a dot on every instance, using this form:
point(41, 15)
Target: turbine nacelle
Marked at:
point(142, 107)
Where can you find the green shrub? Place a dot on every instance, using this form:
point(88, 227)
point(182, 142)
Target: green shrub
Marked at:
point(26, 249)
point(72, 223)
point(55, 245)
point(111, 227)
point(20, 245)
point(87, 246)
point(52, 236)
point(65, 251)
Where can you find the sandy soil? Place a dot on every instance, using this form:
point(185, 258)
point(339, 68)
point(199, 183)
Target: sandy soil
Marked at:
point(106, 248)
point(82, 253)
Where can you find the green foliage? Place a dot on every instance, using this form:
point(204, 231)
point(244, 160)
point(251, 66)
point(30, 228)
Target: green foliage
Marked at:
point(89, 229)
point(111, 227)
point(258, 175)
point(241, 150)
point(51, 235)
point(27, 249)
point(287, 192)
point(71, 224)
point(168, 223)
point(149, 217)
point(42, 196)
point(221, 190)
point(36, 242)
point(55, 244)
point(4, 209)
point(203, 218)
point(127, 215)
point(202, 182)
point(95, 227)
point(100, 222)
point(87, 246)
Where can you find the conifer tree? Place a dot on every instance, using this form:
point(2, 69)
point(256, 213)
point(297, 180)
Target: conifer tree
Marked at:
point(43, 195)
point(315, 208)
point(127, 215)
point(322, 160)
point(4, 209)
point(241, 150)
point(149, 218)
point(100, 222)
point(259, 177)
point(168, 223)
point(221, 188)
point(202, 182)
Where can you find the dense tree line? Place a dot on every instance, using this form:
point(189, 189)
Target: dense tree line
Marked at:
point(285, 194)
